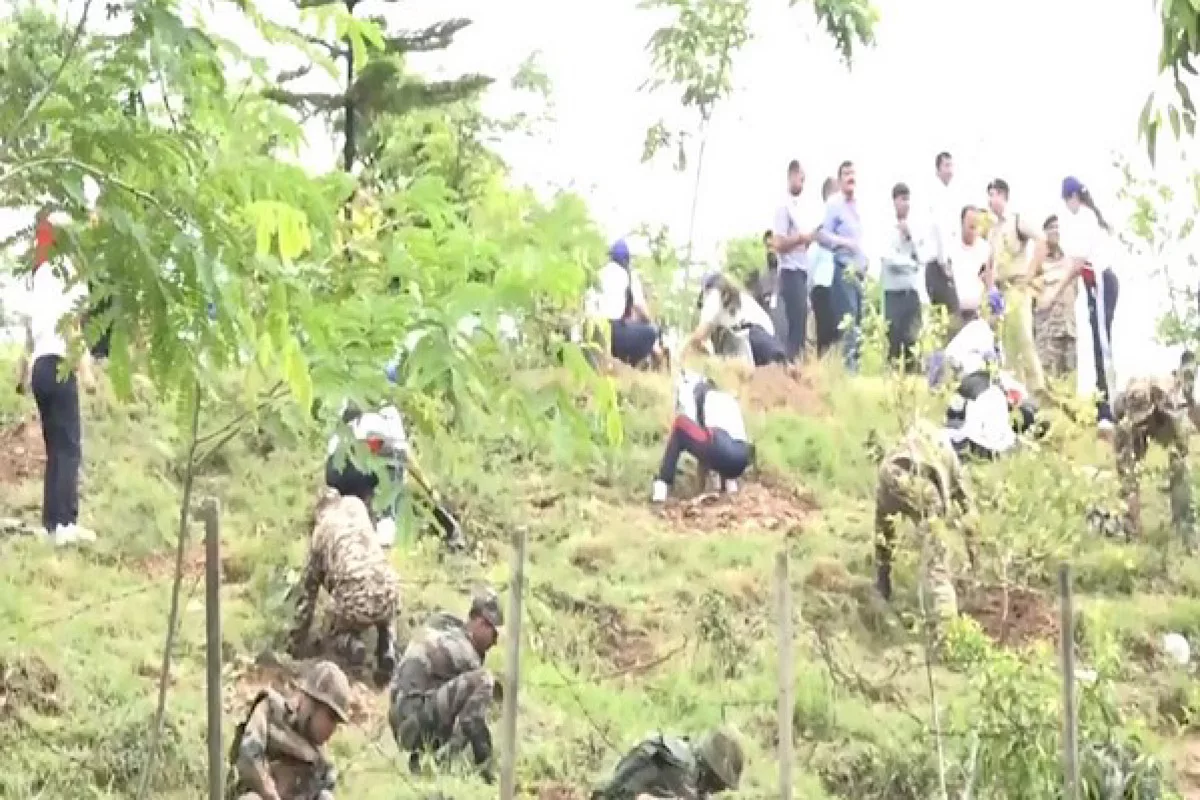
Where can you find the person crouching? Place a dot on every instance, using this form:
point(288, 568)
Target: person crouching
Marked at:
point(383, 434)
point(709, 425)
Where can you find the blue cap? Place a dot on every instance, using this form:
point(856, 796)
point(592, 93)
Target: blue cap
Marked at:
point(1071, 186)
point(619, 252)
point(709, 279)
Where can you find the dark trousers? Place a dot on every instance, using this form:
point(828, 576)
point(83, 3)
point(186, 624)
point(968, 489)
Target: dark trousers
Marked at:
point(902, 311)
point(765, 348)
point(793, 296)
point(848, 300)
point(940, 288)
point(824, 311)
point(58, 407)
point(1112, 288)
point(714, 448)
point(1099, 328)
point(632, 342)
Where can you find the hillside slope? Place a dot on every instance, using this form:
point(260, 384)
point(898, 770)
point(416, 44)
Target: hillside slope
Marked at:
point(635, 620)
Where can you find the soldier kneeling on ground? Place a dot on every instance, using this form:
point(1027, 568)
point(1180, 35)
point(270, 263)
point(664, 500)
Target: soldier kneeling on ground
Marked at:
point(441, 692)
point(1155, 409)
point(710, 426)
point(922, 479)
point(347, 560)
point(668, 766)
point(278, 751)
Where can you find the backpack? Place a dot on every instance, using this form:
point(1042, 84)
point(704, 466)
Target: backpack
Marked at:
point(235, 746)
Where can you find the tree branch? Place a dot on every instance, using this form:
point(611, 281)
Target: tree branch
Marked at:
point(40, 98)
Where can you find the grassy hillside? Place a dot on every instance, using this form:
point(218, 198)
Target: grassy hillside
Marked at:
point(635, 620)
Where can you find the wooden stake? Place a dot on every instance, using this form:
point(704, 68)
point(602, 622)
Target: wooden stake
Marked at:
point(512, 666)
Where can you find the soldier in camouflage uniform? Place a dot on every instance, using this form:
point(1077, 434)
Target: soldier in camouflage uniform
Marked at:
point(923, 480)
point(1154, 409)
point(346, 558)
point(278, 752)
point(441, 692)
point(667, 766)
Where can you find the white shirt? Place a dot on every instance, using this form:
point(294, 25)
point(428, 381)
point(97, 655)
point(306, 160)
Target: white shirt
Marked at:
point(385, 426)
point(1081, 236)
point(749, 312)
point(614, 280)
point(945, 216)
point(967, 262)
point(820, 265)
point(50, 299)
point(721, 409)
point(986, 421)
point(972, 348)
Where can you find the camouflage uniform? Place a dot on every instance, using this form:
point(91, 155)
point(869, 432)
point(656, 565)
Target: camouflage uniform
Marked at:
point(1007, 239)
point(441, 692)
point(668, 766)
point(1054, 322)
point(1154, 409)
point(346, 558)
point(922, 479)
point(272, 742)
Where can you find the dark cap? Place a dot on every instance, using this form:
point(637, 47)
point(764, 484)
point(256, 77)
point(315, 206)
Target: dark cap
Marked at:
point(900, 190)
point(486, 604)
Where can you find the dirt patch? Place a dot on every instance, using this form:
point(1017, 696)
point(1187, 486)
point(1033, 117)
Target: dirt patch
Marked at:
point(628, 648)
point(22, 452)
point(367, 707)
point(759, 503)
point(1187, 768)
point(28, 683)
point(1022, 618)
point(558, 791)
point(162, 564)
point(780, 388)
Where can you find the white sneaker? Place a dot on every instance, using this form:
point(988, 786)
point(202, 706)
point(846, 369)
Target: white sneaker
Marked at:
point(659, 493)
point(72, 534)
point(731, 487)
point(385, 532)
point(1105, 425)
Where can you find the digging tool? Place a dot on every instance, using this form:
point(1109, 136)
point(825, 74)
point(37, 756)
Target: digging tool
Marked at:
point(445, 520)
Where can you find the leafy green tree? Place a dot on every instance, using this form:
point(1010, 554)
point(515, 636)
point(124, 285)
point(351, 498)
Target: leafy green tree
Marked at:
point(375, 83)
point(744, 255)
point(695, 54)
point(1180, 25)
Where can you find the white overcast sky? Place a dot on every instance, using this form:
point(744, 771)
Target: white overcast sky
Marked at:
point(1029, 90)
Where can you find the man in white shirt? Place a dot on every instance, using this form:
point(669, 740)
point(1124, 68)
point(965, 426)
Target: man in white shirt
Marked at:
point(900, 276)
point(790, 241)
point(710, 426)
point(969, 256)
point(945, 207)
point(53, 310)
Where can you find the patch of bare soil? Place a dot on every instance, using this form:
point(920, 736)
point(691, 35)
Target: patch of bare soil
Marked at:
point(558, 791)
point(368, 707)
point(1188, 769)
point(1019, 618)
point(759, 503)
point(22, 452)
point(162, 564)
point(782, 388)
point(627, 647)
point(28, 683)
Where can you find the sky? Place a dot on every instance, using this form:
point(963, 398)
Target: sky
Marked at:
point(1028, 90)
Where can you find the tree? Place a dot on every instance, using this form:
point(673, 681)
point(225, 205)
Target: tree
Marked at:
point(375, 83)
point(1180, 23)
point(695, 53)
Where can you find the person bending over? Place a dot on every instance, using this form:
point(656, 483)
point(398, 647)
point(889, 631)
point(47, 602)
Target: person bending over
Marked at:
point(723, 306)
point(709, 425)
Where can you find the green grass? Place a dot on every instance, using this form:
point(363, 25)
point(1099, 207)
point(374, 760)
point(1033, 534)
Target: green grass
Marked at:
point(632, 622)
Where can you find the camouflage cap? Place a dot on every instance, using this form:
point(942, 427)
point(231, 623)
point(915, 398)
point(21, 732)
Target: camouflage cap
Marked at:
point(722, 753)
point(486, 604)
point(1138, 401)
point(328, 685)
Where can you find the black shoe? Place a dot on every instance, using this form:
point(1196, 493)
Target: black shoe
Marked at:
point(414, 763)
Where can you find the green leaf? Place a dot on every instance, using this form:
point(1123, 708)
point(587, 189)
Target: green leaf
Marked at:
point(296, 373)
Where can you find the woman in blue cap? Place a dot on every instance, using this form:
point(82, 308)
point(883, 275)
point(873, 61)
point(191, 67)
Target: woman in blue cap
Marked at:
point(1083, 237)
point(622, 302)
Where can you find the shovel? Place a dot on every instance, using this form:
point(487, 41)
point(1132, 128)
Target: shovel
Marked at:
point(451, 529)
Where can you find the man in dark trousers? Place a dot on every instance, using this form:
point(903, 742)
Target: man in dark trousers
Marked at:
point(790, 241)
